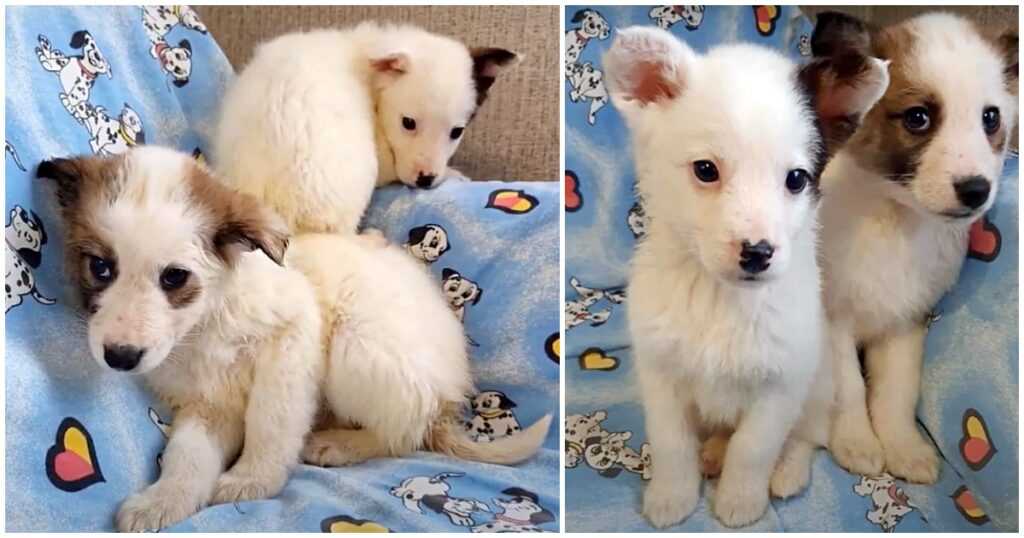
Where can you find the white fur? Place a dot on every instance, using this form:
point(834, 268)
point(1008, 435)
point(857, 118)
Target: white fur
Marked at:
point(711, 349)
point(239, 364)
point(888, 255)
point(310, 126)
point(390, 332)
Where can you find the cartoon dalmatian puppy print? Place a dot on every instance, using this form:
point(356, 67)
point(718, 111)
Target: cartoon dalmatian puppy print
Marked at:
point(587, 84)
point(25, 239)
point(10, 150)
point(637, 218)
point(176, 61)
point(110, 136)
point(492, 416)
point(165, 430)
point(428, 242)
point(521, 512)
point(77, 74)
point(804, 46)
point(431, 492)
point(461, 292)
point(668, 16)
point(578, 311)
point(890, 503)
point(589, 25)
point(586, 441)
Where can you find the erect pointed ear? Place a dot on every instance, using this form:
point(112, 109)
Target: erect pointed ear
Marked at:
point(842, 89)
point(838, 33)
point(388, 65)
point(646, 66)
point(487, 63)
point(71, 174)
point(248, 226)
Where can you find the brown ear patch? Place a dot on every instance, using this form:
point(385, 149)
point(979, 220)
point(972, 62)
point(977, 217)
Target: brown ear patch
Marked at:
point(241, 223)
point(487, 63)
point(81, 178)
point(837, 33)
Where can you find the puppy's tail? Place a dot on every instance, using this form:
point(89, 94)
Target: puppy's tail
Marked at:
point(449, 437)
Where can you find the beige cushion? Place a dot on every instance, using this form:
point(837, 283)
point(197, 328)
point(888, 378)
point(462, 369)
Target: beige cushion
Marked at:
point(515, 135)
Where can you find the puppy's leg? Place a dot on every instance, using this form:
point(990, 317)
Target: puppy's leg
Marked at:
point(336, 448)
point(853, 443)
point(894, 367)
point(200, 443)
point(742, 494)
point(674, 489)
point(282, 404)
point(793, 470)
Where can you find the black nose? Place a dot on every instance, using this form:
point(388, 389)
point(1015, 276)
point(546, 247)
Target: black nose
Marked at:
point(425, 181)
point(972, 191)
point(754, 258)
point(121, 357)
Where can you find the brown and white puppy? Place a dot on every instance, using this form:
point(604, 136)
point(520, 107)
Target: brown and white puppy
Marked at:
point(899, 199)
point(228, 338)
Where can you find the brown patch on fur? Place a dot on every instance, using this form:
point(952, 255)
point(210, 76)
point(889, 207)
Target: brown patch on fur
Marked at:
point(185, 295)
point(241, 223)
point(487, 63)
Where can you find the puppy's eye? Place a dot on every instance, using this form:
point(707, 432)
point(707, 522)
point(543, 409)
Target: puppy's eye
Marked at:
point(101, 269)
point(916, 119)
point(173, 278)
point(457, 132)
point(796, 180)
point(408, 123)
point(705, 171)
point(990, 119)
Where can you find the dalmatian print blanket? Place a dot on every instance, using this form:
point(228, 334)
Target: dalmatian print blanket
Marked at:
point(79, 440)
point(970, 394)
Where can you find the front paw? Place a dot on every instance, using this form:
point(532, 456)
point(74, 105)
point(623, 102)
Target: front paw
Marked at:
point(235, 486)
point(912, 458)
point(855, 448)
point(737, 504)
point(667, 502)
point(154, 509)
point(324, 449)
point(789, 478)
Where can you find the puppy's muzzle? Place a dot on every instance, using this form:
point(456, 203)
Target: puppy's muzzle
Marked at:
point(124, 358)
point(755, 258)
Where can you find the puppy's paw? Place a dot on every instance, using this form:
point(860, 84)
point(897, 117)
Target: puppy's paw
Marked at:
point(667, 503)
point(154, 509)
point(856, 449)
point(712, 456)
point(243, 485)
point(324, 450)
point(737, 504)
point(912, 458)
point(789, 478)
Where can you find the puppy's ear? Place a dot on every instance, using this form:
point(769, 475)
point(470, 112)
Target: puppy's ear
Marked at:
point(842, 89)
point(251, 226)
point(646, 66)
point(70, 174)
point(386, 66)
point(447, 273)
point(78, 39)
point(417, 234)
point(580, 15)
point(505, 403)
point(488, 62)
point(544, 516)
point(838, 33)
point(479, 293)
point(186, 45)
point(39, 224)
point(1006, 44)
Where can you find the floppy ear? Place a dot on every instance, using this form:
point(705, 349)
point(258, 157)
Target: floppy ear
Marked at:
point(447, 273)
point(246, 225)
point(1007, 43)
point(69, 175)
point(580, 15)
point(838, 33)
point(39, 224)
point(78, 39)
point(544, 516)
point(417, 234)
point(177, 82)
point(842, 89)
point(479, 293)
point(505, 403)
point(487, 63)
point(185, 45)
point(32, 257)
point(646, 66)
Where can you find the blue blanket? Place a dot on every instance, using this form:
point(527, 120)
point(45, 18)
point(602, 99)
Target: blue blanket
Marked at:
point(969, 401)
point(80, 439)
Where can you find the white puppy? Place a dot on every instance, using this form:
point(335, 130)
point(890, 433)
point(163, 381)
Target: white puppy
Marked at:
point(317, 119)
point(396, 358)
point(899, 200)
point(226, 337)
point(725, 309)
